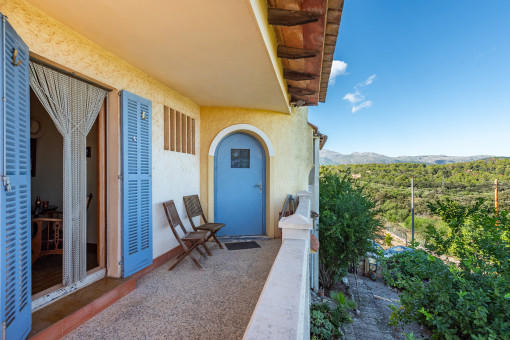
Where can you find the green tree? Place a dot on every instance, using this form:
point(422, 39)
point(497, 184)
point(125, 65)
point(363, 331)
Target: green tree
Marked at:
point(347, 224)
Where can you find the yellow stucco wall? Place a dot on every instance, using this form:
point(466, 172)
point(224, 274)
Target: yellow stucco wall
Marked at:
point(174, 174)
point(291, 138)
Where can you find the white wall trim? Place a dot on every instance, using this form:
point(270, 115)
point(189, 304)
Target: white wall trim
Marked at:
point(241, 127)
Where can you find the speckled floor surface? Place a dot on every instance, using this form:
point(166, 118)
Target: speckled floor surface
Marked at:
point(187, 303)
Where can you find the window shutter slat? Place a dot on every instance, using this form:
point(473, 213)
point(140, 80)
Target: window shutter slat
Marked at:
point(15, 256)
point(136, 120)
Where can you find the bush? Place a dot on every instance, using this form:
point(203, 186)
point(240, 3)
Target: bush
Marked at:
point(470, 299)
point(321, 323)
point(324, 321)
point(388, 239)
point(340, 313)
point(347, 224)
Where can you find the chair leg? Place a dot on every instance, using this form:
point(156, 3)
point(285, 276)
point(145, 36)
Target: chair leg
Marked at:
point(187, 252)
point(216, 239)
point(196, 262)
point(201, 253)
point(207, 249)
point(181, 257)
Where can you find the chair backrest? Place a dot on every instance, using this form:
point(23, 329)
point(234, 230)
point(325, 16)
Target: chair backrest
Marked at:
point(173, 219)
point(50, 230)
point(193, 207)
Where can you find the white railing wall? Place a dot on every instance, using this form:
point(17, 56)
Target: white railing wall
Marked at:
point(283, 308)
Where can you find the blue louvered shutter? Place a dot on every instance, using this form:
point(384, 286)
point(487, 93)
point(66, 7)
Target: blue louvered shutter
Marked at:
point(15, 235)
point(137, 182)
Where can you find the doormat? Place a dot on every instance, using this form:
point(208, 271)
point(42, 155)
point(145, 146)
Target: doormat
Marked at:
point(242, 245)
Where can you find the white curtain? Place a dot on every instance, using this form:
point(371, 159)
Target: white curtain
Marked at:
point(73, 105)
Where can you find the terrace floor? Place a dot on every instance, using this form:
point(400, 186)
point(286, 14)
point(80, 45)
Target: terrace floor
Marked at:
point(188, 303)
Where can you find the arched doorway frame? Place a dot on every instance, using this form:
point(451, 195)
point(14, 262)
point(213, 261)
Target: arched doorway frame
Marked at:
point(269, 154)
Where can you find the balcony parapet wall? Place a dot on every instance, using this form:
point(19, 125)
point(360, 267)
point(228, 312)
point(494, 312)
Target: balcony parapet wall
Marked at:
point(283, 308)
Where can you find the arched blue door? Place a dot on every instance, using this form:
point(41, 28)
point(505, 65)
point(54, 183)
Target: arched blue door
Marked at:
point(239, 185)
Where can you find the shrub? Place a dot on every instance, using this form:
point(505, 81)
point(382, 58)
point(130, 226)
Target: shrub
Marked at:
point(321, 324)
point(324, 321)
point(470, 299)
point(340, 313)
point(347, 224)
point(388, 239)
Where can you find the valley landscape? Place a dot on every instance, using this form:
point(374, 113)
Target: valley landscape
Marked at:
point(388, 180)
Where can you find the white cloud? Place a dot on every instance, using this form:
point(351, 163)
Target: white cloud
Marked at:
point(353, 98)
point(367, 82)
point(365, 104)
point(339, 68)
point(358, 97)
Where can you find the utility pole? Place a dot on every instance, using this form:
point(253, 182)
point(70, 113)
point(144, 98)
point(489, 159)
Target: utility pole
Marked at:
point(496, 195)
point(412, 210)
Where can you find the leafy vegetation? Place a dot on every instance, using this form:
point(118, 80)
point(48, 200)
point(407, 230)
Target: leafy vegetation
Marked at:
point(465, 300)
point(321, 323)
point(347, 224)
point(388, 239)
point(465, 183)
point(324, 321)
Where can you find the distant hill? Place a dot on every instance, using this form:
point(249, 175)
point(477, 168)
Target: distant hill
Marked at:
point(328, 157)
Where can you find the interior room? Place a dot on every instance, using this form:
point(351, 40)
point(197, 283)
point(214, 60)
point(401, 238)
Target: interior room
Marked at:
point(46, 149)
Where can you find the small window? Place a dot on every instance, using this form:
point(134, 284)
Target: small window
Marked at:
point(179, 131)
point(239, 158)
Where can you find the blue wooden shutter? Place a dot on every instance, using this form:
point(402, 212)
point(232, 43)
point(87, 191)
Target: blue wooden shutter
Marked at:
point(15, 235)
point(136, 120)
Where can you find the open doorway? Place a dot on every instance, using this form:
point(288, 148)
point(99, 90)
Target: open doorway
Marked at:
point(46, 153)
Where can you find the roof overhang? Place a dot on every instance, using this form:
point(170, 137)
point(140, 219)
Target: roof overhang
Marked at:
point(217, 53)
point(319, 36)
point(316, 133)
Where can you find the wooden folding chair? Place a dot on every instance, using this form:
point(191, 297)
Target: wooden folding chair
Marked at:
point(194, 209)
point(190, 240)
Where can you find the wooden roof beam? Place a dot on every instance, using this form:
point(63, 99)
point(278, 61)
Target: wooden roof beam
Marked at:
point(299, 91)
point(297, 76)
point(301, 102)
point(285, 17)
point(288, 52)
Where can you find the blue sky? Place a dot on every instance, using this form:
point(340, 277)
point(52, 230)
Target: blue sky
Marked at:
point(420, 77)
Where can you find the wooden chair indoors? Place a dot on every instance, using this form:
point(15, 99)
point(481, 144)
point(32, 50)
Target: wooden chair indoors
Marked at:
point(190, 240)
point(46, 237)
point(48, 231)
point(194, 209)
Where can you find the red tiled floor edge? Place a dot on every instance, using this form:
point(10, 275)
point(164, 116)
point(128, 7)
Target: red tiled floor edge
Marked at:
point(70, 322)
point(158, 261)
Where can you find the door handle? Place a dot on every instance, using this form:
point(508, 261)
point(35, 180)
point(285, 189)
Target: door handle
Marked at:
point(259, 186)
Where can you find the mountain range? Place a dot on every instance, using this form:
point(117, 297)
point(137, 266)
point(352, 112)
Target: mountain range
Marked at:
point(328, 157)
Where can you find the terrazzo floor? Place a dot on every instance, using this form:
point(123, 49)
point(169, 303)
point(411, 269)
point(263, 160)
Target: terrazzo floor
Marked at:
point(188, 303)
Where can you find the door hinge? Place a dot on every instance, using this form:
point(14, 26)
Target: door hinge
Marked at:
point(4, 331)
point(7, 183)
point(119, 177)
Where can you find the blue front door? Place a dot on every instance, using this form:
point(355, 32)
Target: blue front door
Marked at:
point(239, 185)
